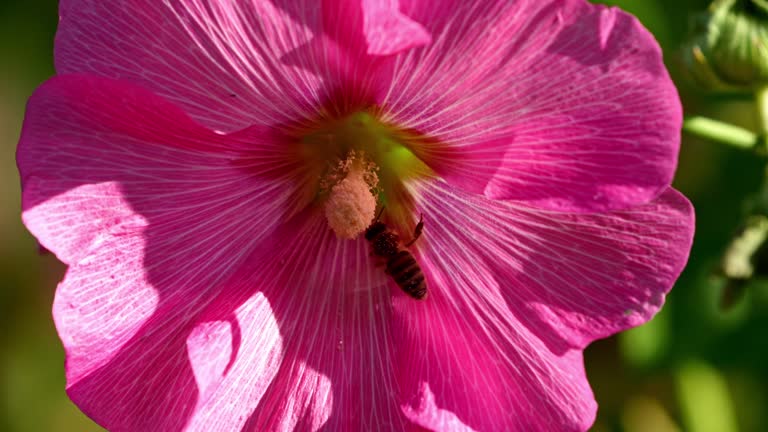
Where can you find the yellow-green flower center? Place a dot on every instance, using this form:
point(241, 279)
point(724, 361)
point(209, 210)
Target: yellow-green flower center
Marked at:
point(361, 162)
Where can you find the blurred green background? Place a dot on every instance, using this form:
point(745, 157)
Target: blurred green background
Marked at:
point(696, 367)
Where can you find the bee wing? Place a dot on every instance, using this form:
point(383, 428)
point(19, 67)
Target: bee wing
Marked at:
point(362, 271)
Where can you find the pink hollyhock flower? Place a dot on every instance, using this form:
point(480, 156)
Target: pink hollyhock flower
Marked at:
point(206, 169)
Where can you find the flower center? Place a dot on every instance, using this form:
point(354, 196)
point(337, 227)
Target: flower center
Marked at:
point(362, 162)
point(351, 188)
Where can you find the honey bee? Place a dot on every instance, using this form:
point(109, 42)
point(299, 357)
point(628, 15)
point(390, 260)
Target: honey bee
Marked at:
point(401, 264)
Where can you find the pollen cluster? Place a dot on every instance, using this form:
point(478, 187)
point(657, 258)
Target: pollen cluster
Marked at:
point(351, 203)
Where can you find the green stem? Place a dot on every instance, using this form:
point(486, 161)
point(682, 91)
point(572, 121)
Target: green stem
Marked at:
point(761, 109)
point(720, 132)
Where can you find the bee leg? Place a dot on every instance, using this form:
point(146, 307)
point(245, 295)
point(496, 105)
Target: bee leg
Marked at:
point(417, 231)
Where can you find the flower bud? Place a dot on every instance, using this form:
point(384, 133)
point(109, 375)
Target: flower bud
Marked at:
point(729, 48)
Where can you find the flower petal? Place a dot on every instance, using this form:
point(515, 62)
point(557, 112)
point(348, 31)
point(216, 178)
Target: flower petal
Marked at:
point(231, 386)
point(333, 307)
point(379, 23)
point(388, 31)
point(588, 276)
point(562, 104)
point(231, 64)
point(95, 152)
point(516, 294)
point(218, 60)
point(153, 213)
point(125, 335)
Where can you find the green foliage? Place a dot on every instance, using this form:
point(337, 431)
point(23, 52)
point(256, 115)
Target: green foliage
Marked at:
point(729, 46)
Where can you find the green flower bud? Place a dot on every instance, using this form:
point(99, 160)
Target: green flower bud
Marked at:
point(729, 49)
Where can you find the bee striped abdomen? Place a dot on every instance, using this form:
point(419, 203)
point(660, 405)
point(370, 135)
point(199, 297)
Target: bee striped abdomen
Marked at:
point(400, 262)
point(407, 274)
point(416, 287)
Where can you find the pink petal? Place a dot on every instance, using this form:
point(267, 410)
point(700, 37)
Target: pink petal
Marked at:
point(428, 414)
point(375, 27)
point(231, 386)
point(141, 355)
point(231, 64)
point(96, 153)
point(388, 31)
point(220, 60)
point(562, 104)
point(199, 298)
point(333, 307)
point(583, 277)
point(516, 294)
point(153, 213)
